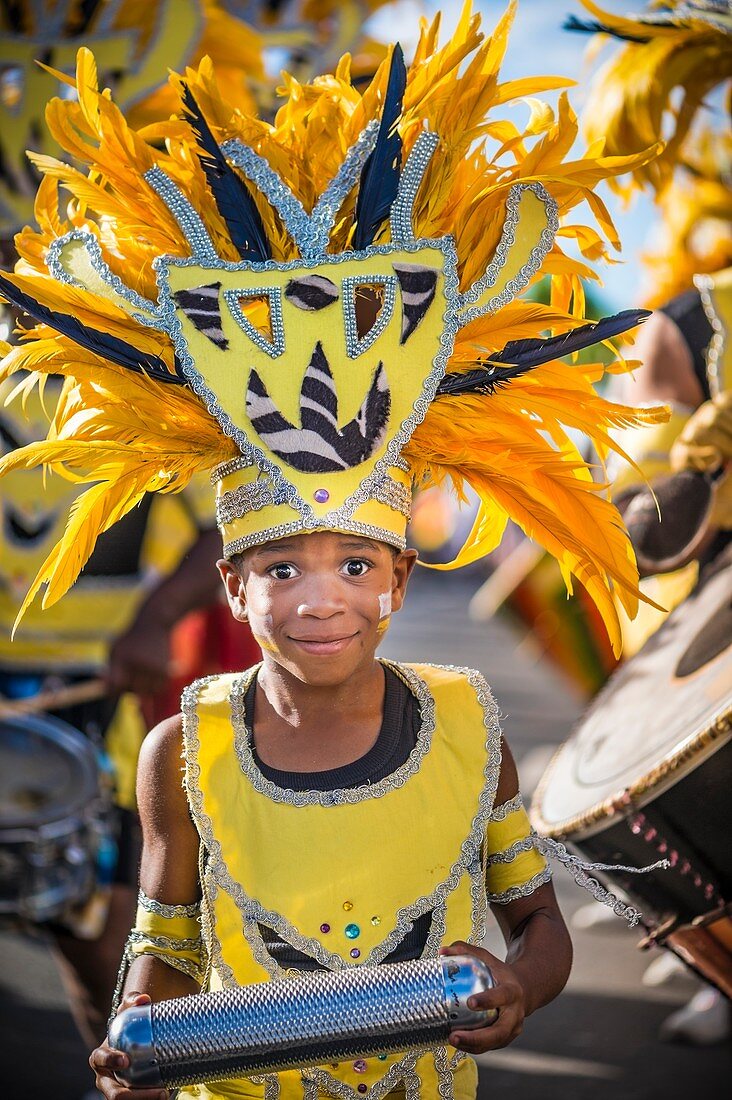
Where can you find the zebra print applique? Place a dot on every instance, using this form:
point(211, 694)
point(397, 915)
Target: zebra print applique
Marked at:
point(319, 446)
point(418, 285)
point(311, 292)
point(201, 307)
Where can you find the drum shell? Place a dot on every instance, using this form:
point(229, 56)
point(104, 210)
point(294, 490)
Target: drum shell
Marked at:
point(48, 852)
point(684, 823)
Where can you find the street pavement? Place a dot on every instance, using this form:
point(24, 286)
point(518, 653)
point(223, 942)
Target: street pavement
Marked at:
point(598, 1041)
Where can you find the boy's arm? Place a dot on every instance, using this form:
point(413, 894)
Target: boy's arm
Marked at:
point(538, 957)
point(168, 874)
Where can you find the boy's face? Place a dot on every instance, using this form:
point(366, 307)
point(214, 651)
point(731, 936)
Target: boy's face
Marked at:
point(318, 604)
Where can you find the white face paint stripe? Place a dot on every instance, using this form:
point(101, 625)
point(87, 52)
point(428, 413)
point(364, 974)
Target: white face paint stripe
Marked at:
point(384, 605)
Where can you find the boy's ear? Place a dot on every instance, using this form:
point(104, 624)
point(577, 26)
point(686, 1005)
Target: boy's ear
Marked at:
point(403, 565)
point(234, 588)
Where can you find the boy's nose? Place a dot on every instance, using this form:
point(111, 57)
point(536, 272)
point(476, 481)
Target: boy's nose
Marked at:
point(322, 602)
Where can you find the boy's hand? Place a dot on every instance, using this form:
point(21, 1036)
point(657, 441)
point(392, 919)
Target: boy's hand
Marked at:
point(507, 996)
point(104, 1061)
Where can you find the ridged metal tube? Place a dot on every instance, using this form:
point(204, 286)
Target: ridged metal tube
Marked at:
point(316, 1019)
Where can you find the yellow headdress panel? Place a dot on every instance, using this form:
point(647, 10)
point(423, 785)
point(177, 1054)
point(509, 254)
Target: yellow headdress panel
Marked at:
point(326, 307)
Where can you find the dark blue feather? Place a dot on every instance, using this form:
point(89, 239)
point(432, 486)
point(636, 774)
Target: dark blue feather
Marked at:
point(379, 181)
point(233, 201)
point(521, 356)
point(100, 343)
point(592, 26)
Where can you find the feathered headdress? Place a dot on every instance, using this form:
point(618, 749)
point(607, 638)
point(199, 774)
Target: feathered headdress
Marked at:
point(326, 308)
point(673, 46)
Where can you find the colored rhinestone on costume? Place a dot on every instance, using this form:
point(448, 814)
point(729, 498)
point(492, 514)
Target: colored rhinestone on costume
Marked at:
point(355, 953)
point(352, 931)
point(321, 496)
point(360, 1066)
point(325, 928)
point(348, 906)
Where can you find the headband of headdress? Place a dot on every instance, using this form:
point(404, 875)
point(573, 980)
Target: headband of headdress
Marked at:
point(633, 102)
point(326, 309)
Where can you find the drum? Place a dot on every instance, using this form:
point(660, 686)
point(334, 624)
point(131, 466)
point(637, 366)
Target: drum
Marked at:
point(648, 773)
point(54, 818)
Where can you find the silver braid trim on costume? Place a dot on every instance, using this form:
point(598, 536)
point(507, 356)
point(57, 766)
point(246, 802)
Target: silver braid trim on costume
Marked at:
point(150, 905)
point(193, 970)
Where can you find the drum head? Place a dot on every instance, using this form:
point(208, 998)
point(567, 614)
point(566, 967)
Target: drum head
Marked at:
point(658, 718)
point(48, 772)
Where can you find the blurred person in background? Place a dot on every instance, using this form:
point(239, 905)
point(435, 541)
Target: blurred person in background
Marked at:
point(654, 86)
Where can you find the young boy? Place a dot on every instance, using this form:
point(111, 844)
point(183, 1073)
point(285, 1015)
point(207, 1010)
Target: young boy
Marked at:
point(318, 312)
point(358, 812)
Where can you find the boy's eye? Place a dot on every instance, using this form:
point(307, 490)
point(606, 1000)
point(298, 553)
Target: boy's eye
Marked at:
point(356, 567)
point(282, 571)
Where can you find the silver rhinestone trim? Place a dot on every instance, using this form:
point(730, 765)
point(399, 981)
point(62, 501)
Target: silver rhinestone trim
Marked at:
point(351, 795)
point(333, 1086)
point(195, 232)
point(400, 218)
point(276, 347)
point(310, 232)
point(297, 527)
point(339, 518)
point(194, 970)
point(97, 261)
point(394, 495)
point(239, 502)
point(216, 954)
point(715, 349)
point(243, 462)
point(170, 943)
point(402, 464)
point(444, 1075)
point(479, 905)
point(501, 812)
point(508, 236)
point(412, 1085)
point(354, 346)
point(522, 891)
point(150, 905)
point(508, 855)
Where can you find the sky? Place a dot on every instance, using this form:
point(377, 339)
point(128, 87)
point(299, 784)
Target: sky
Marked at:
point(539, 46)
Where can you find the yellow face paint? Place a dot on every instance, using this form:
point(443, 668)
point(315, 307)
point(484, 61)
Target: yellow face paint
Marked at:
point(384, 612)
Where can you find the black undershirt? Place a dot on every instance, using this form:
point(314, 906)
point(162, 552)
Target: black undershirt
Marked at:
point(397, 737)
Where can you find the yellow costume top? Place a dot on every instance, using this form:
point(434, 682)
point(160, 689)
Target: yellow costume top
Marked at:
point(343, 876)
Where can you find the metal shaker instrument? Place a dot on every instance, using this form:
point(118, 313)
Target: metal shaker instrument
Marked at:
point(315, 1019)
